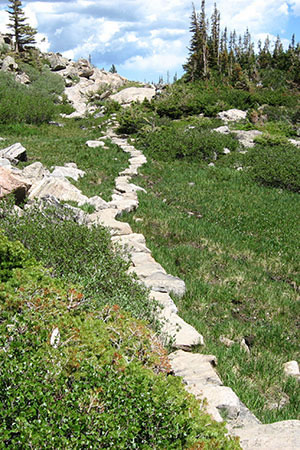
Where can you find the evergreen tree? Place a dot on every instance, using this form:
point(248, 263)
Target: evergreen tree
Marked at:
point(113, 69)
point(24, 34)
point(214, 41)
point(192, 66)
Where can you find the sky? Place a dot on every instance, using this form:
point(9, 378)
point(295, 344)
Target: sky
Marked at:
point(145, 39)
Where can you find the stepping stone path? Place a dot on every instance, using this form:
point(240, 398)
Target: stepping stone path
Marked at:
point(197, 370)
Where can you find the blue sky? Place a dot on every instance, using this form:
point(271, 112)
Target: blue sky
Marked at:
point(146, 40)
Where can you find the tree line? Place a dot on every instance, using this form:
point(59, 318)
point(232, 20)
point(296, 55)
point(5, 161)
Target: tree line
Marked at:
point(215, 52)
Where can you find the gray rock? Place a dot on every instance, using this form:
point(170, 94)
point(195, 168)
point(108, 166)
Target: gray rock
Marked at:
point(95, 144)
point(5, 163)
point(183, 335)
point(35, 171)
point(14, 153)
point(85, 69)
point(291, 368)
point(9, 64)
point(98, 203)
point(106, 218)
point(22, 78)
point(60, 188)
point(68, 172)
point(232, 115)
point(275, 436)
point(162, 282)
point(223, 129)
point(164, 300)
point(133, 243)
point(246, 138)
point(57, 61)
point(10, 184)
point(295, 142)
point(133, 94)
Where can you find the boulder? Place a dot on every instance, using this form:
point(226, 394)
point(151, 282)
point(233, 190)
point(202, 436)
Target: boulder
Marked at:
point(57, 61)
point(246, 138)
point(232, 115)
point(68, 172)
point(295, 142)
point(223, 129)
point(133, 94)
point(84, 68)
point(22, 78)
point(9, 64)
point(60, 188)
point(291, 368)
point(10, 184)
point(14, 153)
point(35, 171)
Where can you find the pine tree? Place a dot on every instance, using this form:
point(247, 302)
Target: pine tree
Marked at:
point(192, 66)
point(24, 34)
point(113, 69)
point(214, 41)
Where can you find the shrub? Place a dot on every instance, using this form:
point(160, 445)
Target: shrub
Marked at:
point(177, 142)
point(89, 258)
point(100, 383)
point(276, 166)
point(12, 256)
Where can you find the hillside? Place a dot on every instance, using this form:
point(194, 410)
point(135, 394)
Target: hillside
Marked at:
point(218, 206)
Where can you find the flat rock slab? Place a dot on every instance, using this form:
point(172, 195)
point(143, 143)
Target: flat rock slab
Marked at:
point(163, 282)
point(134, 242)
point(10, 184)
point(14, 153)
point(184, 335)
point(164, 300)
point(106, 218)
point(68, 172)
point(60, 188)
point(95, 144)
point(35, 171)
point(283, 435)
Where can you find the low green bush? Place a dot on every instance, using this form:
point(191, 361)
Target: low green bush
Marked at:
point(12, 256)
point(277, 166)
point(97, 379)
point(192, 143)
point(89, 258)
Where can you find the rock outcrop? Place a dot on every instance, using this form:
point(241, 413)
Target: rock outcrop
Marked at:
point(133, 94)
point(10, 184)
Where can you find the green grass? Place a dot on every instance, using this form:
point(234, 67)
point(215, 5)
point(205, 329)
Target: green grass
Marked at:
point(52, 145)
point(234, 243)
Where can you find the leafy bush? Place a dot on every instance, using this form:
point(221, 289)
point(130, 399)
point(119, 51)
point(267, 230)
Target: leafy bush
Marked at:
point(192, 143)
point(75, 380)
point(12, 256)
point(276, 166)
point(89, 258)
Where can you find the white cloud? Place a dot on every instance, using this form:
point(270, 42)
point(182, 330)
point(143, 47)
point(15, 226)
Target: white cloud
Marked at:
point(137, 35)
point(295, 5)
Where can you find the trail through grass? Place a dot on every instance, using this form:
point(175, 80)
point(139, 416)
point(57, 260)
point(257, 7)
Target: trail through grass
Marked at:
point(234, 243)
